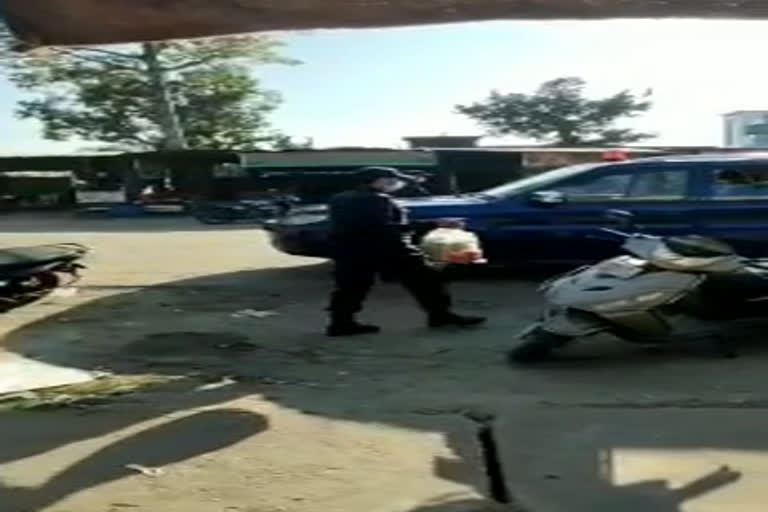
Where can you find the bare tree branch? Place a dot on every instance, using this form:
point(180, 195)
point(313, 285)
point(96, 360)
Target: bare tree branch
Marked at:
point(76, 55)
point(140, 139)
point(189, 64)
point(130, 56)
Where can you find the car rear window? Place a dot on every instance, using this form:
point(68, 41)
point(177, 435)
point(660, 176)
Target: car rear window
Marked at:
point(731, 184)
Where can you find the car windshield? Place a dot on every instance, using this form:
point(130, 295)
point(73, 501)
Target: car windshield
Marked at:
point(538, 180)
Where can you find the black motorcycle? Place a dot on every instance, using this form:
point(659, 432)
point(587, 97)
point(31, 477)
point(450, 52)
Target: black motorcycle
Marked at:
point(245, 211)
point(29, 273)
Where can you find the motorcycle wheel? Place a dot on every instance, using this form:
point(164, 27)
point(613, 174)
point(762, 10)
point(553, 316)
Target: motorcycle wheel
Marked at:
point(25, 291)
point(536, 346)
point(46, 281)
point(40, 282)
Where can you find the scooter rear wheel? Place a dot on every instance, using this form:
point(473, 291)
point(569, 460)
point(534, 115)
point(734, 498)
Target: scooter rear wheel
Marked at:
point(536, 346)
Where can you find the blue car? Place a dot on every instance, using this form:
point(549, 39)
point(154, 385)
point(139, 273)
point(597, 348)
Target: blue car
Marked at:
point(553, 217)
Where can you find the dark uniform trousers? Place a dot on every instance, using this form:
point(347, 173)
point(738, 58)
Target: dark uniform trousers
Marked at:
point(369, 238)
point(355, 275)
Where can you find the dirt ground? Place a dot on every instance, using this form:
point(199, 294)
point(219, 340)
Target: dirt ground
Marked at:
point(264, 414)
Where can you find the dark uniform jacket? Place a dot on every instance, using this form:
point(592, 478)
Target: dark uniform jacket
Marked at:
point(367, 223)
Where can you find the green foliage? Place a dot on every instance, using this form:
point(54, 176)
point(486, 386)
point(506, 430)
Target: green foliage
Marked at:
point(558, 113)
point(198, 92)
point(223, 107)
point(287, 143)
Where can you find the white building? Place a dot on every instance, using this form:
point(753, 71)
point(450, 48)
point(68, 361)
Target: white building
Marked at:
point(746, 129)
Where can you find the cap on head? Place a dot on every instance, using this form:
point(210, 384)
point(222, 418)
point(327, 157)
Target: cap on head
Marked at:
point(368, 175)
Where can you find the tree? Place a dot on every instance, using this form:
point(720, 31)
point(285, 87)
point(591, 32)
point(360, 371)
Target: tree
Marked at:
point(287, 143)
point(559, 113)
point(158, 95)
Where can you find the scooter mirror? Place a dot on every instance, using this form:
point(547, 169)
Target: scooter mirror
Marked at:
point(622, 218)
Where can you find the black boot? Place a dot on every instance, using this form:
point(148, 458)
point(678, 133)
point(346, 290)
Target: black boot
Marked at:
point(454, 320)
point(352, 328)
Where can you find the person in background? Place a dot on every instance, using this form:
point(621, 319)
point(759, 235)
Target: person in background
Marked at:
point(369, 237)
point(416, 186)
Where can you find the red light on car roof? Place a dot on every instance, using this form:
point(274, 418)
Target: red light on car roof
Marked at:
point(615, 156)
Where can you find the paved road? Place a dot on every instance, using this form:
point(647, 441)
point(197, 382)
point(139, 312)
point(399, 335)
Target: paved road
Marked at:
point(160, 298)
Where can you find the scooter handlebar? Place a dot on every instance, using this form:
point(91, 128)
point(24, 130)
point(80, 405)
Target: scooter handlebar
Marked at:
point(616, 233)
point(609, 234)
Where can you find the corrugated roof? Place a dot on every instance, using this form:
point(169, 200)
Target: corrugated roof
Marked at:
point(738, 112)
point(44, 22)
point(59, 155)
point(540, 149)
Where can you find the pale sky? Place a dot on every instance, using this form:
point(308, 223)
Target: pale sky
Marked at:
point(372, 87)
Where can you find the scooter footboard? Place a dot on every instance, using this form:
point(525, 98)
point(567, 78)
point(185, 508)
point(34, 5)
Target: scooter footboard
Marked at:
point(573, 323)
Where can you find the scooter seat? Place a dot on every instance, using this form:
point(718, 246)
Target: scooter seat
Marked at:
point(19, 257)
point(694, 246)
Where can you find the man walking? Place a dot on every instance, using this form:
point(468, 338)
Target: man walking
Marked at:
point(369, 237)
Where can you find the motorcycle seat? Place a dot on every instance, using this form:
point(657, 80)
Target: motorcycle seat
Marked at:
point(16, 257)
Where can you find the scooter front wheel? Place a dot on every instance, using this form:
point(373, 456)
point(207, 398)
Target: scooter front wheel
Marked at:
point(536, 346)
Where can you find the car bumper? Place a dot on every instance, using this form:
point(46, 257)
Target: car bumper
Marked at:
point(299, 241)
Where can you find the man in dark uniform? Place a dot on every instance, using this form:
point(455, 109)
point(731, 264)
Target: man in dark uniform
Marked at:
point(369, 237)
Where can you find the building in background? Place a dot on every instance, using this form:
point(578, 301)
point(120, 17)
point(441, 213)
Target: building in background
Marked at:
point(443, 141)
point(314, 175)
point(746, 129)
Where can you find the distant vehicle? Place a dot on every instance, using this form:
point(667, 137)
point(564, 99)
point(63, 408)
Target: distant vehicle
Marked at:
point(551, 217)
point(234, 212)
point(243, 211)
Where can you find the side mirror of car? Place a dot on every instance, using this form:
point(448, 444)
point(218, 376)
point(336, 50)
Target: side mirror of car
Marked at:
point(547, 197)
point(622, 218)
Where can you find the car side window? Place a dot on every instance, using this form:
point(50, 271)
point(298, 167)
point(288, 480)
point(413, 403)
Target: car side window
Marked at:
point(597, 188)
point(662, 185)
point(659, 186)
point(740, 183)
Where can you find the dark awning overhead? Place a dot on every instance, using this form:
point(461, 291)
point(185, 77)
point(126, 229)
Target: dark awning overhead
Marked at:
point(111, 21)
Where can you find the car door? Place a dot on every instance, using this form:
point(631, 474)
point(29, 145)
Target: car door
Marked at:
point(658, 194)
point(733, 205)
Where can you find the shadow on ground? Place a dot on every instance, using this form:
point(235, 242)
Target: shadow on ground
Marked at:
point(175, 441)
point(201, 328)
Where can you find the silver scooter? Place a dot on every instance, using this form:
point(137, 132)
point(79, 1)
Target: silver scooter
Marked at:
point(665, 288)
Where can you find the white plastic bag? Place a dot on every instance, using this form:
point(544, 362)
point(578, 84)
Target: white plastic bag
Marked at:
point(450, 244)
